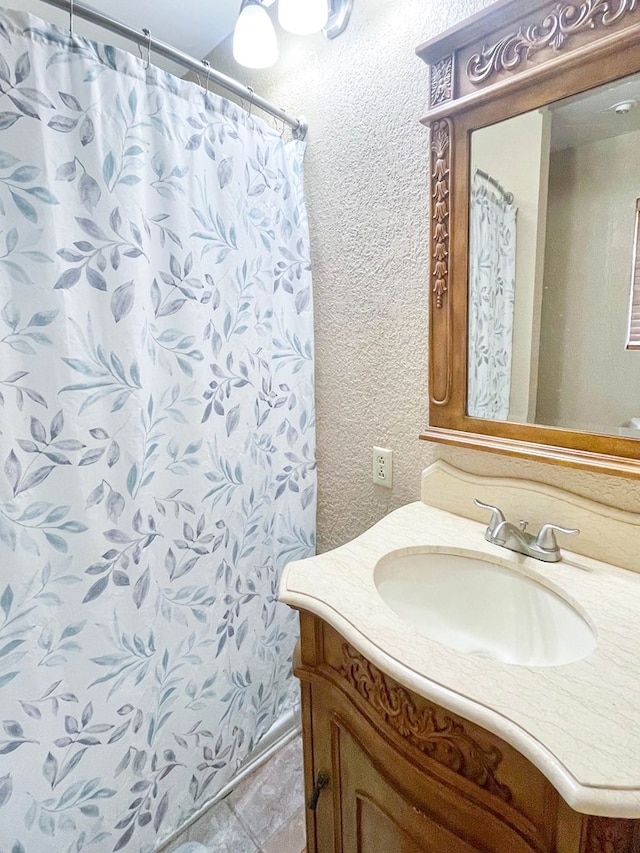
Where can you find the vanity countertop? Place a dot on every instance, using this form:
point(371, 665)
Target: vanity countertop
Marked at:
point(576, 722)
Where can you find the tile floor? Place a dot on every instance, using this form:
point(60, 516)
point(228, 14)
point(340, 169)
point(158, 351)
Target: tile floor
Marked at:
point(264, 814)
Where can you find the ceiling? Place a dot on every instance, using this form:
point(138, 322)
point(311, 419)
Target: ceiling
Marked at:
point(589, 116)
point(193, 26)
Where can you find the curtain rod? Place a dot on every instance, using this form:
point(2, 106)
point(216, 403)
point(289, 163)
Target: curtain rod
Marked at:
point(299, 125)
point(506, 195)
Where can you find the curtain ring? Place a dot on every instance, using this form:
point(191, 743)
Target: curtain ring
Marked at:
point(207, 64)
point(148, 35)
point(71, 18)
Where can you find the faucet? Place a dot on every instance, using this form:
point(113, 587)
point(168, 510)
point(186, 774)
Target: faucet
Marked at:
point(542, 546)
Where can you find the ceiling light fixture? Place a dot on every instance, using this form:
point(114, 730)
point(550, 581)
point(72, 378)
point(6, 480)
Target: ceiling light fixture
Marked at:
point(254, 38)
point(303, 17)
point(339, 14)
point(624, 107)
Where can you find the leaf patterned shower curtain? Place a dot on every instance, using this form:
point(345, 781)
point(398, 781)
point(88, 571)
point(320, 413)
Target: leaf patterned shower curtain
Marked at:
point(492, 282)
point(156, 440)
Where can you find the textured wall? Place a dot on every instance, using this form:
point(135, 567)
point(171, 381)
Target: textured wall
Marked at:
point(366, 186)
point(590, 266)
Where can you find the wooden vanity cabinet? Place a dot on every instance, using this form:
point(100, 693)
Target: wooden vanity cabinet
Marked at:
point(403, 775)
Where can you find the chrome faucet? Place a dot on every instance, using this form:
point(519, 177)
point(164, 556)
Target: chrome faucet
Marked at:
point(542, 546)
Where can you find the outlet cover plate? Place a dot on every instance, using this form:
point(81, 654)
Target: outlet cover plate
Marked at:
point(382, 466)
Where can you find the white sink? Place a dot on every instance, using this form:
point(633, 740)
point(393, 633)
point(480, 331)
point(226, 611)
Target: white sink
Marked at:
point(482, 608)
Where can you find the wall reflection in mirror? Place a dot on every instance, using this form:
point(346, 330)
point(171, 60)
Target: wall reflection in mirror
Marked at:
point(551, 251)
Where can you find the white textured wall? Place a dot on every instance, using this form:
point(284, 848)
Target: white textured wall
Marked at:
point(590, 266)
point(367, 194)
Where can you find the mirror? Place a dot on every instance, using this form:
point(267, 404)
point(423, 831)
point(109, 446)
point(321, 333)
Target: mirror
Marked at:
point(551, 250)
point(529, 317)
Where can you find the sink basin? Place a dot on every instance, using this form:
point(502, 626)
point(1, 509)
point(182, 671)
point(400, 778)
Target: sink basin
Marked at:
point(483, 608)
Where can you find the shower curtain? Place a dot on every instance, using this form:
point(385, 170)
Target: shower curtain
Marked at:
point(156, 440)
point(492, 280)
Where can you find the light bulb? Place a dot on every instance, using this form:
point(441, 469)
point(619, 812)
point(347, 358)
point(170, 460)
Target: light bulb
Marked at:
point(254, 38)
point(303, 17)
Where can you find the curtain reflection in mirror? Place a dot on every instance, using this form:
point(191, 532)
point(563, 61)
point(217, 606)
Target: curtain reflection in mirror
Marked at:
point(492, 267)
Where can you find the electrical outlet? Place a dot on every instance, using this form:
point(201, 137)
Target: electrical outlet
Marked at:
point(382, 466)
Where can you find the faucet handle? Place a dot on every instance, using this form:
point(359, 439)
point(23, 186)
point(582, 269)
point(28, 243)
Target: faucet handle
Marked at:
point(546, 538)
point(497, 516)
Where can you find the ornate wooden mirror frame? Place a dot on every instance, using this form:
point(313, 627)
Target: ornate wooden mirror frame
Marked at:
point(515, 56)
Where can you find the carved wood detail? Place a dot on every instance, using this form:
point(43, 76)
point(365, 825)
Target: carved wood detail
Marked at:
point(430, 728)
point(559, 25)
point(610, 835)
point(440, 173)
point(441, 89)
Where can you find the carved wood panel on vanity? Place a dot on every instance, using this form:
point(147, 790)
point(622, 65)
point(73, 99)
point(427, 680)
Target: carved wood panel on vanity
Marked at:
point(408, 776)
point(429, 728)
point(608, 835)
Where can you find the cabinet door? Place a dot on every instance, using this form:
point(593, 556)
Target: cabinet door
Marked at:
point(361, 811)
point(376, 818)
